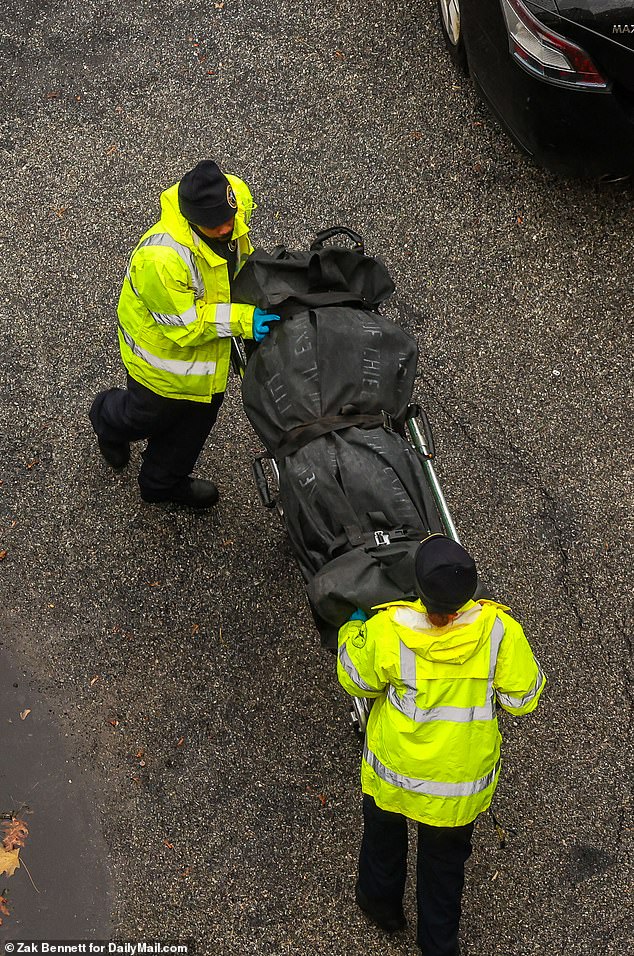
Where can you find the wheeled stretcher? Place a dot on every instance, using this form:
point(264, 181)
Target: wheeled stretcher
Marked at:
point(348, 453)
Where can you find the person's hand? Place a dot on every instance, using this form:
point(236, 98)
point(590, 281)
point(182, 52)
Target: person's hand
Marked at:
point(261, 323)
point(358, 615)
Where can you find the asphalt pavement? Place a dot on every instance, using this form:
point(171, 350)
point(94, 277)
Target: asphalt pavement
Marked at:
point(173, 652)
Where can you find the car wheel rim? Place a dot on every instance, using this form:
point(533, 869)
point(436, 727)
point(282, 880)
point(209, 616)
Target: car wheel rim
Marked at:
point(450, 10)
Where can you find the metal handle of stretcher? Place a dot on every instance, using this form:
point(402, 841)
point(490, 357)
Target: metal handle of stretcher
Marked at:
point(422, 439)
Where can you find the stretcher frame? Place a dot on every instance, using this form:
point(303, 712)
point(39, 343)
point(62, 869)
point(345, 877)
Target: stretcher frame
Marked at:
point(416, 429)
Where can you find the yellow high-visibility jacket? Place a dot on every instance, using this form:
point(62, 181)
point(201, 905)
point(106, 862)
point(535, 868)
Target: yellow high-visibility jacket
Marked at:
point(175, 314)
point(432, 744)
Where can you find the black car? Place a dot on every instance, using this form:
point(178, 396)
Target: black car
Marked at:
point(558, 74)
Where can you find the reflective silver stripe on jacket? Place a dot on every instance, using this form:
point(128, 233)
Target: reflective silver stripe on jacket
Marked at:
point(352, 672)
point(521, 701)
point(431, 788)
point(223, 320)
point(129, 278)
point(164, 239)
point(185, 318)
point(175, 366)
point(407, 705)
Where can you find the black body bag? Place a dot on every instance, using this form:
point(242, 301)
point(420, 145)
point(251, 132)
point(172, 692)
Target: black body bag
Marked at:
point(327, 392)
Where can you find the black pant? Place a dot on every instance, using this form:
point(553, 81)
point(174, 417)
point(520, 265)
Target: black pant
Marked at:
point(176, 430)
point(441, 856)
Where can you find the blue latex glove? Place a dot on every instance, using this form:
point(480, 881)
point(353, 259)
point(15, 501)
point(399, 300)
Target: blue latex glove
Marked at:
point(358, 615)
point(261, 322)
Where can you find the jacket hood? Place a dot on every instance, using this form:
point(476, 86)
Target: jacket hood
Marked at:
point(172, 218)
point(454, 644)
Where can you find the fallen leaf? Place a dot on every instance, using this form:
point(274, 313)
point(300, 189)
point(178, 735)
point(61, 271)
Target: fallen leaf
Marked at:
point(170, 846)
point(186, 871)
point(15, 833)
point(52, 95)
point(3, 555)
point(112, 149)
point(3, 908)
point(322, 799)
point(60, 211)
point(154, 584)
point(180, 742)
point(114, 722)
point(24, 714)
point(195, 628)
point(219, 6)
point(94, 680)
point(138, 754)
point(9, 861)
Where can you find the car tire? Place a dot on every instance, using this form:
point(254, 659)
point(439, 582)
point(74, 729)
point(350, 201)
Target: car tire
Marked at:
point(450, 24)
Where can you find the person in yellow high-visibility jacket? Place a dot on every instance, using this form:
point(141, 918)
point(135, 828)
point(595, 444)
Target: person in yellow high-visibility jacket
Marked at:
point(436, 668)
point(176, 320)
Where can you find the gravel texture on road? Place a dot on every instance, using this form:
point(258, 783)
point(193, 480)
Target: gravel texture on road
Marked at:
point(216, 738)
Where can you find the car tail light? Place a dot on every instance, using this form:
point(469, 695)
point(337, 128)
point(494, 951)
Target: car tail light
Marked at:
point(540, 50)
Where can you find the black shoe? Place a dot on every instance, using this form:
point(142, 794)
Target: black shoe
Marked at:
point(389, 919)
point(457, 952)
point(193, 492)
point(117, 454)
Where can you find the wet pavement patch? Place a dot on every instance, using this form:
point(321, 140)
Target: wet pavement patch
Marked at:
point(587, 861)
point(62, 887)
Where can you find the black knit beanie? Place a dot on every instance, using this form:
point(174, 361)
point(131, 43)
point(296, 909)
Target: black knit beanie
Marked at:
point(446, 575)
point(205, 196)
